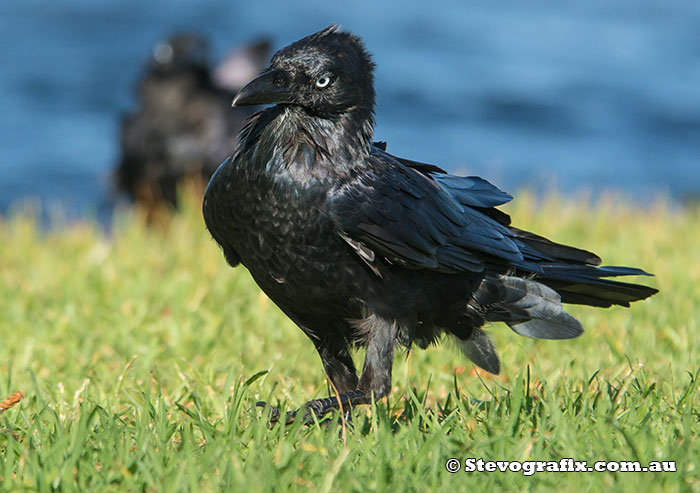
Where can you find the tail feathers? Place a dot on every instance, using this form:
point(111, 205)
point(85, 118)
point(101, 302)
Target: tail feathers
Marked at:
point(528, 307)
point(541, 245)
point(563, 326)
point(533, 308)
point(585, 284)
point(479, 348)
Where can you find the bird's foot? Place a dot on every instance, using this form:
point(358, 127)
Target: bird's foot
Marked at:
point(317, 408)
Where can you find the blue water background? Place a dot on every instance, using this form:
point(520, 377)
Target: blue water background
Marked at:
point(576, 95)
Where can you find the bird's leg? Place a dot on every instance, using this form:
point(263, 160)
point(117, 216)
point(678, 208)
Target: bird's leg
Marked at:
point(338, 364)
point(340, 369)
point(376, 372)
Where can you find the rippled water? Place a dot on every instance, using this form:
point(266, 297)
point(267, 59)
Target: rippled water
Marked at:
point(590, 95)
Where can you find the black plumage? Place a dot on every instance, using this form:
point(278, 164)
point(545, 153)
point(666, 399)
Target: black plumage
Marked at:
point(358, 246)
point(183, 127)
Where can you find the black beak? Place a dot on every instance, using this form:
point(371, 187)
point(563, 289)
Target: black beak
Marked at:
point(270, 87)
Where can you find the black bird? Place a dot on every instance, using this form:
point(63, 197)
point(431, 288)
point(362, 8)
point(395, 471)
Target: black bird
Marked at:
point(360, 247)
point(182, 127)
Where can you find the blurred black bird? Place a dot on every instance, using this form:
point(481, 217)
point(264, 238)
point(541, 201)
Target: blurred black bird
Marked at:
point(360, 247)
point(184, 126)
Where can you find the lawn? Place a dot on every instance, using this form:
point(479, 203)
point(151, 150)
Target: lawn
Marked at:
point(141, 354)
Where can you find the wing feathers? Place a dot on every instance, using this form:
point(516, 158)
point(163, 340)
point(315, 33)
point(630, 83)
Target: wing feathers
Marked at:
point(423, 219)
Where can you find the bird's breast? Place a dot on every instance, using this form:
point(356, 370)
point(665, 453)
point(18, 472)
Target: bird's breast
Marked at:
point(280, 231)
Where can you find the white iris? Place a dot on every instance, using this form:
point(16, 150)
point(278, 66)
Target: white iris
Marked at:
point(323, 81)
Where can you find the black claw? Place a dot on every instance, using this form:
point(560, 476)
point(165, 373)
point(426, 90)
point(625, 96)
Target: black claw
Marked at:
point(274, 412)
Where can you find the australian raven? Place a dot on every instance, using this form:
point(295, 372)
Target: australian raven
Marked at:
point(360, 247)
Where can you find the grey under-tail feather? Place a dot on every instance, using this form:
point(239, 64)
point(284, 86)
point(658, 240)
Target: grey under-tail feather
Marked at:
point(528, 307)
point(479, 348)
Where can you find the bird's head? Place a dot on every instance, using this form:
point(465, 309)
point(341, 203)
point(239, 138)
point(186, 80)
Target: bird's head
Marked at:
point(328, 73)
point(185, 52)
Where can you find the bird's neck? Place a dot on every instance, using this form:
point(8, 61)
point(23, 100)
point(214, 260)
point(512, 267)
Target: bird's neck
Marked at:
point(350, 131)
point(311, 144)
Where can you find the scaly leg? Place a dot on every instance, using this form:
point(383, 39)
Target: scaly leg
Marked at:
point(375, 380)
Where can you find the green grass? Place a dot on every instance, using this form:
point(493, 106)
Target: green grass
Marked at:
point(139, 356)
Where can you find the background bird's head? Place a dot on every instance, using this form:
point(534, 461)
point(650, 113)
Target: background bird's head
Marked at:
point(185, 52)
point(328, 73)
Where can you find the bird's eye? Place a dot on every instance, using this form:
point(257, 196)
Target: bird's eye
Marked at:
point(163, 52)
point(323, 81)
